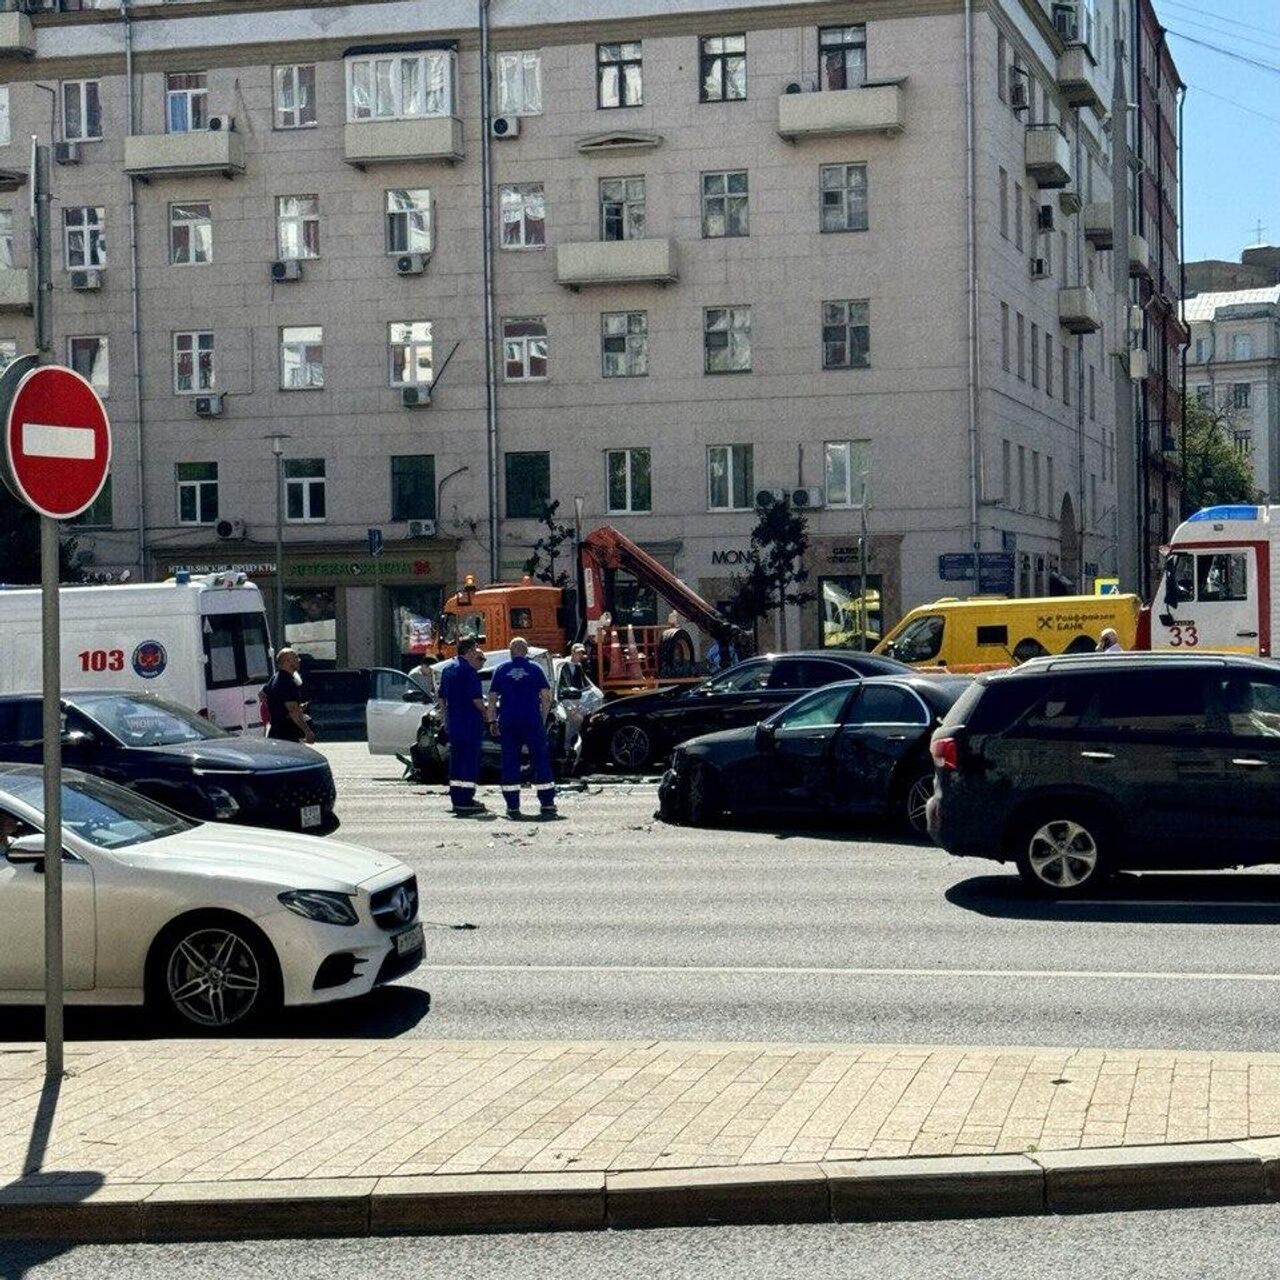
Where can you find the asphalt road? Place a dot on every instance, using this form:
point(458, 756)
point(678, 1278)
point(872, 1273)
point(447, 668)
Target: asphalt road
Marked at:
point(1186, 1245)
point(609, 924)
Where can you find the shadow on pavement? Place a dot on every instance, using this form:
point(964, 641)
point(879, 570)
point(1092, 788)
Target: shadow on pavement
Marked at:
point(810, 827)
point(1131, 899)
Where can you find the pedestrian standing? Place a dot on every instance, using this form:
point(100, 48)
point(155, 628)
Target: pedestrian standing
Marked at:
point(1109, 641)
point(462, 705)
point(574, 675)
point(520, 698)
point(286, 716)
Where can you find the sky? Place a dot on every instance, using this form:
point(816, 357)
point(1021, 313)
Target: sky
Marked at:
point(1232, 121)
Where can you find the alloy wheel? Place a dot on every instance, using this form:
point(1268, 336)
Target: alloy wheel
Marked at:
point(629, 746)
point(918, 795)
point(213, 978)
point(1062, 854)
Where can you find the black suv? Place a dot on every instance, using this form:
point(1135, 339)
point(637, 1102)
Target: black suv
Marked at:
point(1076, 768)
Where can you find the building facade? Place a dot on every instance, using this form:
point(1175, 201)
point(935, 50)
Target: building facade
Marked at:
point(873, 257)
point(1259, 266)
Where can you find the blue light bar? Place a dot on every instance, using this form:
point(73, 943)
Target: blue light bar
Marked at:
point(1226, 513)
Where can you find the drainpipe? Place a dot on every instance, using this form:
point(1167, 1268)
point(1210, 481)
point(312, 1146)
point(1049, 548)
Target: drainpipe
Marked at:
point(486, 225)
point(971, 199)
point(1082, 516)
point(1182, 311)
point(135, 301)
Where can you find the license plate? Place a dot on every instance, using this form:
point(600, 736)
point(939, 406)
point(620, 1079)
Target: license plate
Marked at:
point(310, 815)
point(409, 940)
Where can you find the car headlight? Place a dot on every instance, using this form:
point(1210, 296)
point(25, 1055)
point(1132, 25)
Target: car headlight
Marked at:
point(321, 905)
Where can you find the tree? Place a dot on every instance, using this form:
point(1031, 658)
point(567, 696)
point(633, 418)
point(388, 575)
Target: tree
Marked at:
point(541, 566)
point(1215, 472)
point(20, 545)
point(773, 575)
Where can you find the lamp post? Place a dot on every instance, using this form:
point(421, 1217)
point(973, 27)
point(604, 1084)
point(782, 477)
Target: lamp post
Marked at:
point(277, 448)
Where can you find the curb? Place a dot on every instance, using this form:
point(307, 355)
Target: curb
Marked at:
point(1095, 1180)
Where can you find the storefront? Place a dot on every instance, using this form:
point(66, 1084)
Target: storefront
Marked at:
point(343, 607)
point(848, 611)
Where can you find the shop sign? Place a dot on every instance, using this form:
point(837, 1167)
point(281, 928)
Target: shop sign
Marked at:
point(357, 568)
point(843, 554)
point(730, 555)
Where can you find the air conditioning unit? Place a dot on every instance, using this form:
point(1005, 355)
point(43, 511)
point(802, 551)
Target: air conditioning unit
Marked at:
point(810, 499)
point(411, 264)
point(1019, 97)
point(230, 530)
point(66, 153)
point(1070, 202)
point(1044, 218)
point(422, 528)
point(505, 127)
point(766, 498)
point(1039, 269)
point(86, 281)
point(208, 406)
point(1135, 319)
point(288, 269)
point(1139, 366)
point(1067, 21)
point(418, 397)
point(222, 124)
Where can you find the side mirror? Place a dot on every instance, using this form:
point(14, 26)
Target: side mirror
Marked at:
point(27, 849)
point(764, 736)
point(414, 694)
point(571, 695)
point(78, 738)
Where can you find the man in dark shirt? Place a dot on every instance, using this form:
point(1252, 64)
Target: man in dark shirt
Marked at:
point(521, 695)
point(285, 718)
point(462, 703)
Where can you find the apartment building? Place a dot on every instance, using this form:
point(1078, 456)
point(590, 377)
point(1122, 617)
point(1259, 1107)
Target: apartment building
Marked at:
point(1233, 365)
point(848, 252)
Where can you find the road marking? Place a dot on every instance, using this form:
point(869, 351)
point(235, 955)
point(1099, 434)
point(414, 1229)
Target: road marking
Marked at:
point(818, 972)
point(42, 440)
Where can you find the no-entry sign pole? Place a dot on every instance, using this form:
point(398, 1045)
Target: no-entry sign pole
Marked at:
point(51, 636)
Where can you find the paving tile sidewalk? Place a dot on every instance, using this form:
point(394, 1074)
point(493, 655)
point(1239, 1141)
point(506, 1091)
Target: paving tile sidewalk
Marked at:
point(222, 1111)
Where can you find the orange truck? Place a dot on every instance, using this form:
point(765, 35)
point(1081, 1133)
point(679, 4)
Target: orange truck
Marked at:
point(626, 659)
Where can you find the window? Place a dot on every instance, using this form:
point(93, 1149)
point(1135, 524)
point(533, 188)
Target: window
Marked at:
point(1004, 203)
point(1066, 375)
point(409, 343)
point(1204, 350)
point(301, 357)
point(1004, 336)
point(5, 135)
point(819, 710)
point(846, 335)
point(98, 515)
point(304, 498)
point(845, 466)
point(8, 352)
point(81, 110)
point(624, 343)
point(6, 239)
point(524, 348)
point(528, 485)
point(1093, 499)
point(746, 677)
point(1022, 347)
point(622, 209)
point(1252, 706)
point(1146, 701)
point(197, 492)
point(1051, 507)
point(1241, 346)
point(1022, 478)
point(190, 233)
point(295, 89)
point(1204, 394)
point(1017, 215)
point(842, 57)
point(1035, 356)
point(724, 204)
point(192, 362)
point(187, 102)
point(1002, 63)
point(852, 617)
point(844, 197)
point(401, 86)
point(629, 480)
point(298, 226)
point(722, 68)
point(1221, 576)
point(618, 80)
point(88, 357)
point(1093, 394)
point(1006, 471)
point(409, 221)
point(519, 83)
point(726, 339)
point(730, 478)
point(887, 704)
point(413, 487)
point(524, 216)
point(1035, 481)
point(1240, 395)
point(84, 237)
point(1048, 365)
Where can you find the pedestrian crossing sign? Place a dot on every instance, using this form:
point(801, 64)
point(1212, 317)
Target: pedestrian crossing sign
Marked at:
point(1106, 586)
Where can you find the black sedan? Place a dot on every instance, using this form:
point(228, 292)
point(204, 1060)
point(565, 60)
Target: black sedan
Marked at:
point(179, 759)
point(635, 733)
point(854, 748)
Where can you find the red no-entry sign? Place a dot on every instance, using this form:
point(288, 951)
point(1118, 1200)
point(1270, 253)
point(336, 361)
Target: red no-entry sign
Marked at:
point(57, 442)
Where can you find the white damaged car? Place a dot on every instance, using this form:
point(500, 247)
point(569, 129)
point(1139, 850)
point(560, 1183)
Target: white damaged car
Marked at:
point(214, 927)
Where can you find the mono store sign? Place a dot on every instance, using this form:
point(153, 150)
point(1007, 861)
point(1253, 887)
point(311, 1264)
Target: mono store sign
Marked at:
point(730, 555)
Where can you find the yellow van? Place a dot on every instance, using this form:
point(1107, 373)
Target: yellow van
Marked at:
point(983, 634)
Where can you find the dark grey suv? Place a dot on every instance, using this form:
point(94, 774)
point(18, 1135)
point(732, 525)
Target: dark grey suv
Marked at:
point(1076, 768)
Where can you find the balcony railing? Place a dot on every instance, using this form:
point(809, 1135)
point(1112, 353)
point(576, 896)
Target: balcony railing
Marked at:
point(159, 155)
point(1099, 229)
point(1081, 80)
point(1078, 310)
point(613, 262)
point(870, 108)
point(15, 289)
point(17, 40)
point(1048, 155)
point(1139, 256)
point(367, 142)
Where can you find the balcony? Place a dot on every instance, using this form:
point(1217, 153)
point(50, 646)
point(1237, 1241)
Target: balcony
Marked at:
point(1098, 228)
point(1048, 156)
point(1081, 81)
point(15, 290)
point(1139, 366)
point(367, 142)
point(1078, 310)
point(871, 108)
point(180, 155)
point(1139, 257)
point(17, 40)
point(606, 262)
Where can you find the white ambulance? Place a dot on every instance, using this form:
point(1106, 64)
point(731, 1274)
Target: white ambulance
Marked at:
point(199, 640)
point(1221, 584)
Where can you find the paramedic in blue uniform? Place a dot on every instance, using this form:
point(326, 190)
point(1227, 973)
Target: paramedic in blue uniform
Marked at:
point(462, 701)
point(520, 695)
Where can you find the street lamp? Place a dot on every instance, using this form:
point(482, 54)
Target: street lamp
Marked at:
point(277, 447)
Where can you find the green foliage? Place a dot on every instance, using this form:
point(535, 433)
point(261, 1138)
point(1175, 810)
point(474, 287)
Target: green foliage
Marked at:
point(773, 574)
point(542, 565)
point(20, 545)
point(1214, 470)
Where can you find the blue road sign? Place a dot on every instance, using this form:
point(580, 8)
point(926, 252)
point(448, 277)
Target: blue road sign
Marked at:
point(995, 572)
point(375, 542)
point(956, 566)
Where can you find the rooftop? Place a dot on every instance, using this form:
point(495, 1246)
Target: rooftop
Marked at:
point(1204, 306)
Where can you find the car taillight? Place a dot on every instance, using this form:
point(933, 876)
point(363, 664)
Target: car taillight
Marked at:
point(945, 753)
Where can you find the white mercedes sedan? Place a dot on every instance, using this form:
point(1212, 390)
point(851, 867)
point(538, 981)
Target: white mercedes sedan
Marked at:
point(212, 926)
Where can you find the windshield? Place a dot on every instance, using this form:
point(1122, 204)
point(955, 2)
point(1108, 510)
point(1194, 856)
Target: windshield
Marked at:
point(100, 812)
point(146, 722)
point(920, 640)
point(453, 626)
point(740, 679)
